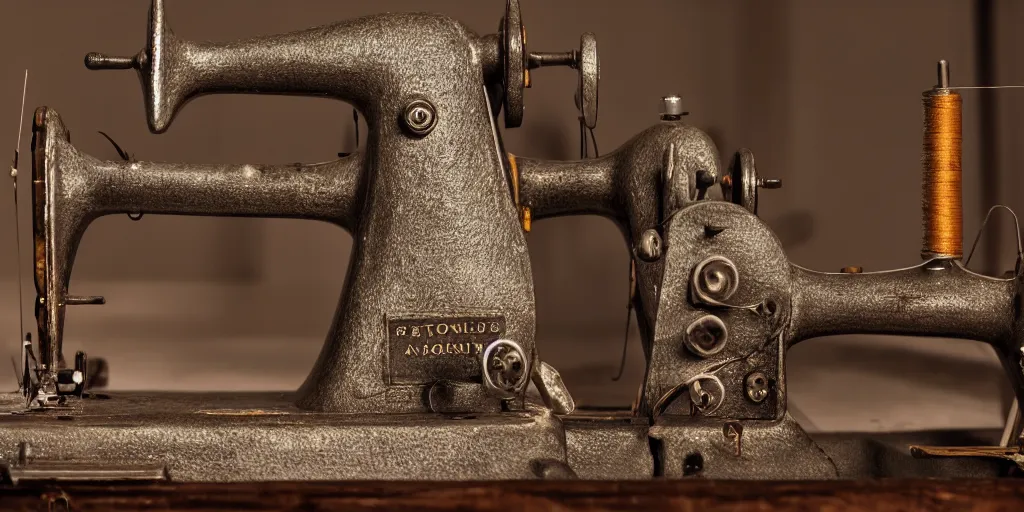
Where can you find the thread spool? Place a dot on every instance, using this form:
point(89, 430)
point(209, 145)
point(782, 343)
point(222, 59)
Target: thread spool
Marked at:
point(943, 177)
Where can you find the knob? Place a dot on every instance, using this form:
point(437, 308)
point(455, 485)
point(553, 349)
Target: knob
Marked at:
point(506, 369)
point(742, 183)
point(672, 108)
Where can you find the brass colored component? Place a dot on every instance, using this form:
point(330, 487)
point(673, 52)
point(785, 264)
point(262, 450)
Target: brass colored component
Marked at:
point(513, 169)
point(852, 270)
point(526, 69)
point(1013, 454)
point(943, 201)
point(524, 211)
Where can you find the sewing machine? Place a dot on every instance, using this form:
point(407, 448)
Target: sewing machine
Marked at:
point(427, 367)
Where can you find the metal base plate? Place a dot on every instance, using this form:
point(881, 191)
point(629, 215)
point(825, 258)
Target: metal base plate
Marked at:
point(263, 436)
point(241, 437)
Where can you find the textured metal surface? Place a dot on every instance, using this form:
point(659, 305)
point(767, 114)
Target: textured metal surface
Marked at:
point(433, 207)
point(590, 75)
point(765, 450)
point(608, 446)
point(264, 436)
point(514, 62)
point(886, 455)
point(939, 298)
point(433, 222)
point(754, 337)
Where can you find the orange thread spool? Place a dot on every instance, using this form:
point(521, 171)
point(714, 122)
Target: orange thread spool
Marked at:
point(943, 176)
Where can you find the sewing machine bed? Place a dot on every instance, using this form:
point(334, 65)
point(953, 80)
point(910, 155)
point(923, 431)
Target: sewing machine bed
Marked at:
point(238, 437)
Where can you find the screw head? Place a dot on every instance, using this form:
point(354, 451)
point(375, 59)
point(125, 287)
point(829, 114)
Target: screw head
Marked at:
point(715, 279)
point(757, 387)
point(706, 336)
point(706, 393)
point(650, 247)
point(506, 369)
point(420, 117)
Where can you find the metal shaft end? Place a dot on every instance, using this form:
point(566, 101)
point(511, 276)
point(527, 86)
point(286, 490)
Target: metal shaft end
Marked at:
point(943, 69)
point(99, 61)
point(671, 105)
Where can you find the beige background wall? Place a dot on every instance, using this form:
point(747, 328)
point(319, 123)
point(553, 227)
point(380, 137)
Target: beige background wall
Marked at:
point(827, 94)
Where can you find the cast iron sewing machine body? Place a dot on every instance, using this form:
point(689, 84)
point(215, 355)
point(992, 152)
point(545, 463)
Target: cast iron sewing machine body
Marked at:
point(425, 370)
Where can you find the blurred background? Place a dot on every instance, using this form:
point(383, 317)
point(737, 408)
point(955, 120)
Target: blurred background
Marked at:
point(826, 94)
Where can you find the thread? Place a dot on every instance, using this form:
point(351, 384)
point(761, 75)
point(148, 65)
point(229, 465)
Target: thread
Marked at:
point(943, 177)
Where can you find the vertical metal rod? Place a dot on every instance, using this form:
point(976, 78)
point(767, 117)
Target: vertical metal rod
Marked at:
point(943, 82)
point(988, 142)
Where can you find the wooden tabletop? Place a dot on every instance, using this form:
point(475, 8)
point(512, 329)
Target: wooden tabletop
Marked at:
point(690, 495)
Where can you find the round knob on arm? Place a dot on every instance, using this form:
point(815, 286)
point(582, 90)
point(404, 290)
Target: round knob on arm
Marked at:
point(506, 369)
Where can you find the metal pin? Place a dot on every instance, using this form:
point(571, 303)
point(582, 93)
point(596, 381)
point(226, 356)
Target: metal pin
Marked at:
point(73, 300)
point(943, 75)
point(99, 61)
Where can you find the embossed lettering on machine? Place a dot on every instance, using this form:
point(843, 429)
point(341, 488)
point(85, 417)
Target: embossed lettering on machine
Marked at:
point(425, 349)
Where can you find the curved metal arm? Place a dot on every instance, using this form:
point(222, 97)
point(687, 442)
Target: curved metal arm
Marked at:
point(638, 186)
point(349, 61)
point(582, 187)
point(71, 189)
point(937, 298)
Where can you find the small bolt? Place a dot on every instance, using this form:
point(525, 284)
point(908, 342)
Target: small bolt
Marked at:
point(506, 368)
point(716, 279)
point(672, 108)
point(706, 336)
point(706, 393)
point(757, 387)
point(650, 247)
point(769, 183)
point(852, 270)
point(420, 117)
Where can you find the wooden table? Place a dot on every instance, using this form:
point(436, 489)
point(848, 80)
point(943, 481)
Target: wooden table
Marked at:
point(690, 495)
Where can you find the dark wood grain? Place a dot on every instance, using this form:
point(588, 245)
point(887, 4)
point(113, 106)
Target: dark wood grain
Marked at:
point(692, 495)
